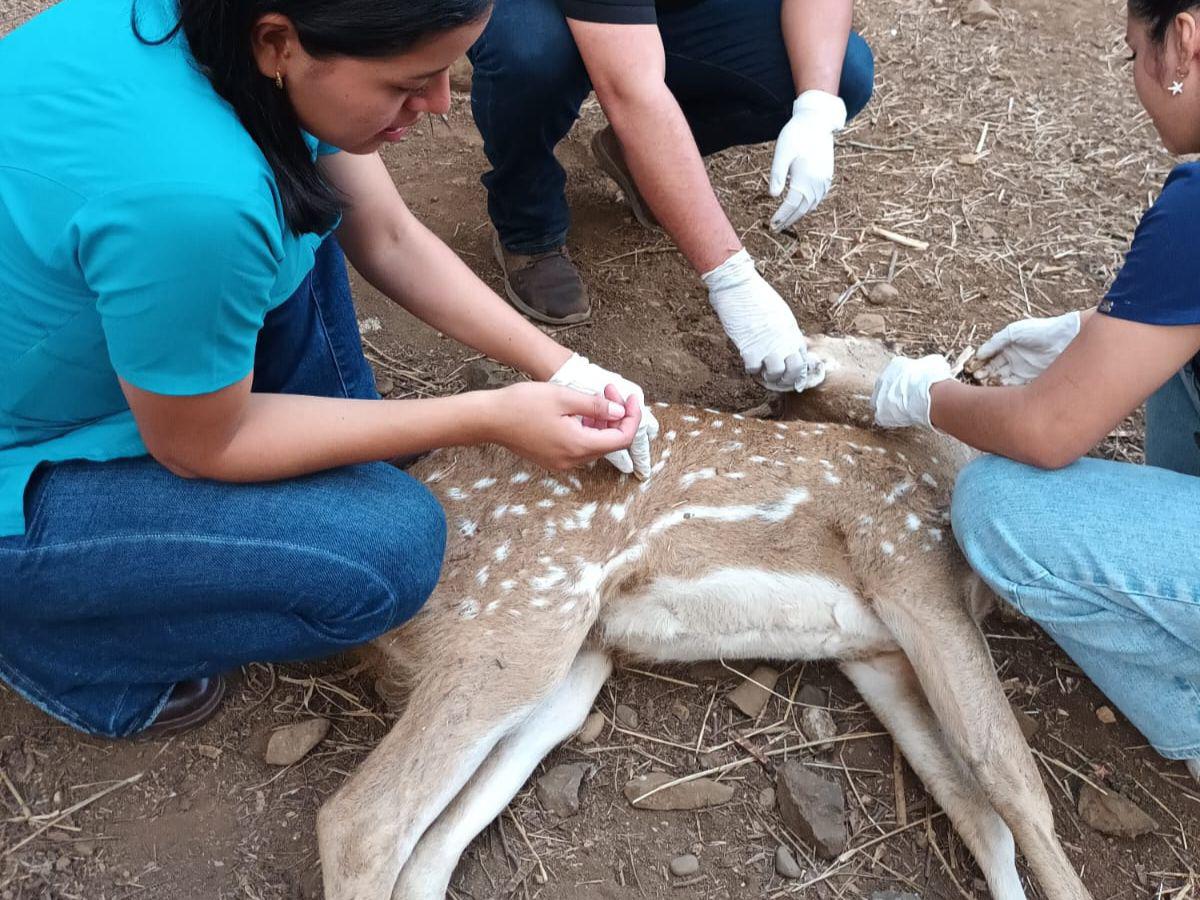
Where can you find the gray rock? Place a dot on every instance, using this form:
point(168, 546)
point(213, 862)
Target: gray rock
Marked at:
point(883, 294)
point(751, 696)
point(683, 866)
point(766, 798)
point(811, 695)
point(870, 324)
point(817, 724)
point(979, 11)
point(385, 384)
point(1113, 814)
point(627, 717)
point(697, 794)
point(813, 808)
point(483, 375)
point(593, 727)
point(558, 789)
point(785, 863)
point(291, 743)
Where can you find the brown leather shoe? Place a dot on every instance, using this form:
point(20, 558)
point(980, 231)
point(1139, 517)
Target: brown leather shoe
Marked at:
point(544, 286)
point(606, 149)
point(192, 703)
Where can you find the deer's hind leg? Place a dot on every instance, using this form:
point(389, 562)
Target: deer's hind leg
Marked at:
point(455, 716)
point(889, 685)
point(427, 873)
point(928, 618)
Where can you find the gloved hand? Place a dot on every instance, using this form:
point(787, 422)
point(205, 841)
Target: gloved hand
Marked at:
point(804, 151)
point(901, 396)
point(590, 378)
point(759, 323)
point(1022, 351)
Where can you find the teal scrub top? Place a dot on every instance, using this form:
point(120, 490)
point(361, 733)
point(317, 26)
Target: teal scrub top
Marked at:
point(141, 235)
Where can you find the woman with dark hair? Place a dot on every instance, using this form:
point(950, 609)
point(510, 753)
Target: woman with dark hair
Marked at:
point(1101, 554)
point(192, 448)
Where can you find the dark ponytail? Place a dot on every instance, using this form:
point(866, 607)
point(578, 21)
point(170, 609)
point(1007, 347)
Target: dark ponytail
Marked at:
point(1158, 14)
point(219, 32)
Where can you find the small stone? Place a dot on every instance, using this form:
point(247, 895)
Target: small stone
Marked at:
point(558, 789)
point(751, 696)
point(969, 159)
point(813, 808)
point(1106, 715)
point(817, 724)
point(697, 794)
point(893, 895)
point(1113, 814)
point(483, 374)
point(85, 848)
point(385, 384)
point(681, 711)
point(208, 751)
point(882, 294)
point(869, 324)
point(460, 75)
point(1028, 724)
point(593, 727)
point(811, 695)
point(766, 798)
point(785, 863)
point(683, 866)
point(987, 233)
point(291, 743)
point(627, 717)
point(979, 11)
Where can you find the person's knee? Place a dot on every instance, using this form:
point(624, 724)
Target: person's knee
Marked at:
point(990, 520)
point(399, 544)
point(527, 58)
point(858, 76)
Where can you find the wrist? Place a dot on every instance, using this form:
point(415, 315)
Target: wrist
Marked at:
point(548, 361)
point(737, 268)
point(479, 419)
point(828, 108)
point(939, 394)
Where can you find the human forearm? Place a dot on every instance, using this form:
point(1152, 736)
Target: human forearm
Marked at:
point(815, 33)
point(664, 161)
point(443, 292)
point(286, 435)
point(1001, 420)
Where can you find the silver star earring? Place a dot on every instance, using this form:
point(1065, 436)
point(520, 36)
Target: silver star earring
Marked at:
point(1176, 88)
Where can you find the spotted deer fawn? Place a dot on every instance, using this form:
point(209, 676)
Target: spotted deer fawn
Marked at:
point(817, 539)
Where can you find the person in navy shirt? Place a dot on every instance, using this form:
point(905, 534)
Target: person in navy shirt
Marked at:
point(678, 80)
point(1101, 554)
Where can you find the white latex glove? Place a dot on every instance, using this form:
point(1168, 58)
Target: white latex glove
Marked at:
point(804, 152)
point(1022, 351)
point(759, 323)
point(581, 375)
point(901, 396)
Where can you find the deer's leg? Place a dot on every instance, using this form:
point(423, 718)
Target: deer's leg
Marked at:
point(952, 663)
point(367, 830)
point(427, 873)
point(889, 685)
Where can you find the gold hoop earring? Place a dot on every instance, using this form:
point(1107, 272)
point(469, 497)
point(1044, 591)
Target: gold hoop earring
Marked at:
point(278, 80)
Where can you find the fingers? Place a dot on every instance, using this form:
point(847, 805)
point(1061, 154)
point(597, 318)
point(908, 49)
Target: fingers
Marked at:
point(617, 436)
point(795, 370)
point(792, 208)
point(622, 461)
point(994, 344)
point(779, 171)
point(591, 406)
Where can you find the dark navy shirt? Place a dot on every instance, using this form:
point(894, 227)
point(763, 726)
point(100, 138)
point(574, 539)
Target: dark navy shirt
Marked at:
point(1159, 284)
point(621, 12)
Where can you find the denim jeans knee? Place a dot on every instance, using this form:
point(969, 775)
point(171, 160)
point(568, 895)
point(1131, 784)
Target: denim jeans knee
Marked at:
point(858, 76)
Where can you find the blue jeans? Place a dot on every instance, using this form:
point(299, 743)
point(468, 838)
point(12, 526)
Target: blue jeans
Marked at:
point(1103, 556)
point(726, 65)
point(130, 579)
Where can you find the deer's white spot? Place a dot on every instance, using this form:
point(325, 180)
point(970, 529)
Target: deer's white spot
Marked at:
point(693, 434)
point(517, 509)
point(735, 475)
point(730, 446)
point(661, 405)
point(507, 584)
point(929, 480)
point(492, 607)
point(455, 493)
point(436, 476)
point(887, 547)
point(936, 534)
point(690, 419)
point(499, 511)
point(483, 483)
point(617, 510)
point(467, 609)
point(520, 478)
point(538, 602)
point(671, 435)
point(467, 527)
point(501, 552)
point(482, 576)
point(830, 477)
point(555, 487)
point(912, 522)
point(545, 504)
point(898, 491)
point(699, 475)
point(567, 607)
point(781, 426)
point(717, 423)
point(553, 576)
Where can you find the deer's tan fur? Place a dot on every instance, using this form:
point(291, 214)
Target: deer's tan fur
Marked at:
point(759, 539)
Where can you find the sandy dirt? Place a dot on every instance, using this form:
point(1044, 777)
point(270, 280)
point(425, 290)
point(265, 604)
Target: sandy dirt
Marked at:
point(1016, 151)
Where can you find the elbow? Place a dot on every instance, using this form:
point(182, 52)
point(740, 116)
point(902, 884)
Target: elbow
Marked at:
point(1051, 458)
point(1049, 446)
point(622, 99)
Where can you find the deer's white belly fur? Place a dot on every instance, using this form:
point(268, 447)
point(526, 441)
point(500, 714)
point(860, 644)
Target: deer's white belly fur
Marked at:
point(744, 613)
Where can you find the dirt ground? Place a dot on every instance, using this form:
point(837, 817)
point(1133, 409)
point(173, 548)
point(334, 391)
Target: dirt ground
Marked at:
point(1016, 151)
